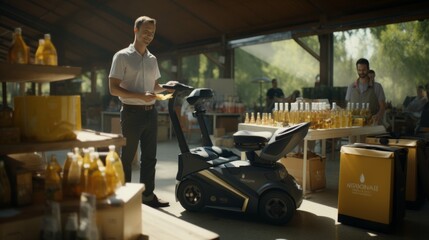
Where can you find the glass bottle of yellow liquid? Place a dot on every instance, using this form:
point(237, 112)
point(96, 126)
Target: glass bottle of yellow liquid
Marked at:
point(67, 164)
point(276, 112)
point(54, 162)
point(53, 186)
point(78, 156)
point(19, 50)
point(258, 120)
point(112, 177)
point(49, 52)
point(98, 183)
point(246, 118)
point(66, 169)
point(117, 163)
point(73, 178)
point(5, 191)
point(85, 170)
point(252, 118)
point(38, 57)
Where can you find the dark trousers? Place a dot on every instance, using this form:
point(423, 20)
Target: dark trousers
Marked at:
point(140, 125)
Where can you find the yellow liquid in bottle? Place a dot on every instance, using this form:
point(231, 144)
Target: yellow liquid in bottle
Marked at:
point(53, 186)
point(98, 184)
point(49, 52)
point(19, 50)
point(112, 177)
point(38, 58)
point(117, 163)
point(73, 187)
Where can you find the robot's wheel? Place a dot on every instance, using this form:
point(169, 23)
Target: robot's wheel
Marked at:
point(191, 195)
point(276, 207)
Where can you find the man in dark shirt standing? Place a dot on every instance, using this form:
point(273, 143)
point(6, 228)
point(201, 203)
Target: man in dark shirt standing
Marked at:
point(274, 94)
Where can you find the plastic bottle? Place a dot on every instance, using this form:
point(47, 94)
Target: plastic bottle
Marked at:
point(5, 191)
point(335, 117)
point(66, 169)
point(53, 185)
point(78, 156)
point(112, 177)
point(73, 179)
point(51, 227)
point(38, 58)
point(71, 227)
point(98, 184)
point(54, 162)
point(19, 51)
point(117, 163)
point(87, 218)
point(49, 52)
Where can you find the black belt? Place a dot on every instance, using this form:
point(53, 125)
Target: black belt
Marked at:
point(139, 107)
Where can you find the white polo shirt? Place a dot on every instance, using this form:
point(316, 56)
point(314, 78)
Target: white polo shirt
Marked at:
point(138, 73)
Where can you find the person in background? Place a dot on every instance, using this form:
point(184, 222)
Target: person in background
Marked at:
point(134, 78)
point(274, 94)
point(416, 106)
point(366, 90)
point(292, 98)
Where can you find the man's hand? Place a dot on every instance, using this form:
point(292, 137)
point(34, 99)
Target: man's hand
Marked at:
point(171, 83)
point(148, 96)
point(376, 119)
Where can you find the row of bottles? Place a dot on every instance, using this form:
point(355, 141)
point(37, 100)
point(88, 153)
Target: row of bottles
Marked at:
point(84, 173)
point(19, 52)
point(319, 114)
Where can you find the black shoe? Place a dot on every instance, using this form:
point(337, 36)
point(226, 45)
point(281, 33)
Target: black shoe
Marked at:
point(156, 203)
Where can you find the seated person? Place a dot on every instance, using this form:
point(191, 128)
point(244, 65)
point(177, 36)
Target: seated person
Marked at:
point(408, 120)
point(415, 107)
point(292, 98)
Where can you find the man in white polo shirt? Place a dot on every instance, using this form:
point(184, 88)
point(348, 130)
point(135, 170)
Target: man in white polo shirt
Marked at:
point(134, 78)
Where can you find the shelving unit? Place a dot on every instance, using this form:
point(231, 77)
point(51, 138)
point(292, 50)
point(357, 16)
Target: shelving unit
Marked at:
point(36, 73)
point(43, 74)
point(85, 138)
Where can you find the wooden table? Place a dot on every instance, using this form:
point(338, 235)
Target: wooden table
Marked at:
point(158, 225)
point(321, 134)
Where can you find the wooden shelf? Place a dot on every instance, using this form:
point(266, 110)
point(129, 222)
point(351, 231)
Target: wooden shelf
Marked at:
point(85, 138)
point(36, 73)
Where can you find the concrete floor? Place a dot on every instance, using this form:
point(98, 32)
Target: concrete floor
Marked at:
point(315, 219)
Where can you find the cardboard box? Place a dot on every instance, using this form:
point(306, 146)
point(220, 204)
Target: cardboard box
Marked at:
point(230, 124)
point(414, 159)
point(219, 132)
point(115, 125)
point(163, 120)
point(118, 217)
point(217, 141)
point(316, 178)
point(162, 133)
point(371, 188)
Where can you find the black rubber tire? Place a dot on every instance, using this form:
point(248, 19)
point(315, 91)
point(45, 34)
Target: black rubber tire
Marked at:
point(276, 207)
point(191, 195)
